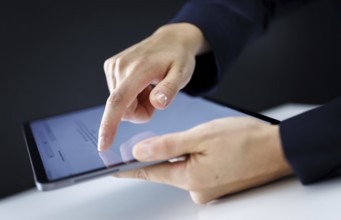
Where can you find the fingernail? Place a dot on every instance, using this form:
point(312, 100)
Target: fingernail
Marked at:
point(143, 152)
point(162, 99)
point(102, 143)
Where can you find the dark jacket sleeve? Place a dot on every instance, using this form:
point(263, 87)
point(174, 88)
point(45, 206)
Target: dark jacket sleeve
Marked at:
point(311, 141)
point(228, 26)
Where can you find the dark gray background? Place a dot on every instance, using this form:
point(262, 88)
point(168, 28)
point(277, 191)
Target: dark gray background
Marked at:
point(52, 56)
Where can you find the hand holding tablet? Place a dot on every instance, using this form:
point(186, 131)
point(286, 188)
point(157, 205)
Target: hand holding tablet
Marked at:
point(63, 148)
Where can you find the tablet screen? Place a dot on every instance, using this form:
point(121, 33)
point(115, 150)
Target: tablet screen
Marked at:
point(67, 143)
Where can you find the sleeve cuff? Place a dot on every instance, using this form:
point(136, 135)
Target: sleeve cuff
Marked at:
point(228, 26)
point(312, 142)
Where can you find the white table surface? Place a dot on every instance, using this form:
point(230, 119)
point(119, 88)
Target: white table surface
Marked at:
point(110, 198)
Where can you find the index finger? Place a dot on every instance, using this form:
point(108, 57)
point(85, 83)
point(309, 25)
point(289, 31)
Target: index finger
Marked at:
point(113, 112)
point(117, 103)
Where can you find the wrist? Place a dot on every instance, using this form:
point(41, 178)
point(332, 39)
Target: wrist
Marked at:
point(187, 35)
point(281, 165)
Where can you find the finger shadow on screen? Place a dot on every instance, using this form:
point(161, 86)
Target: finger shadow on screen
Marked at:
point(111, 157)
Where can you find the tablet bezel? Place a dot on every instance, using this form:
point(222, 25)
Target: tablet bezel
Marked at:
point(40, 175)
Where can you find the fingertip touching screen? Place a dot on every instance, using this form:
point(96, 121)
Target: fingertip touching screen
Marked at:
point(67, 143)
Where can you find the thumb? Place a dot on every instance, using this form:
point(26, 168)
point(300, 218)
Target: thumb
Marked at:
point(162, 147)
point(165, 91)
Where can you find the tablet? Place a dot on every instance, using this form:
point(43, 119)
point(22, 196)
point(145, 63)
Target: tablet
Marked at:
point(63, 148)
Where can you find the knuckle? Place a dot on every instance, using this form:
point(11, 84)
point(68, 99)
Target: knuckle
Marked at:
point(169, 147)
point(170, 87)
point(108, 65)
point(142, 60)
point(185, 80)
point(138, 65)
point(123, 68)
point(121, 63)
point(141, 174)
point(114, 99)
point(105, 126)
point(183, 73)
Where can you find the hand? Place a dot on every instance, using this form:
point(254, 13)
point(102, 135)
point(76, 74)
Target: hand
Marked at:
point(166, 59)
point(224, 156)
